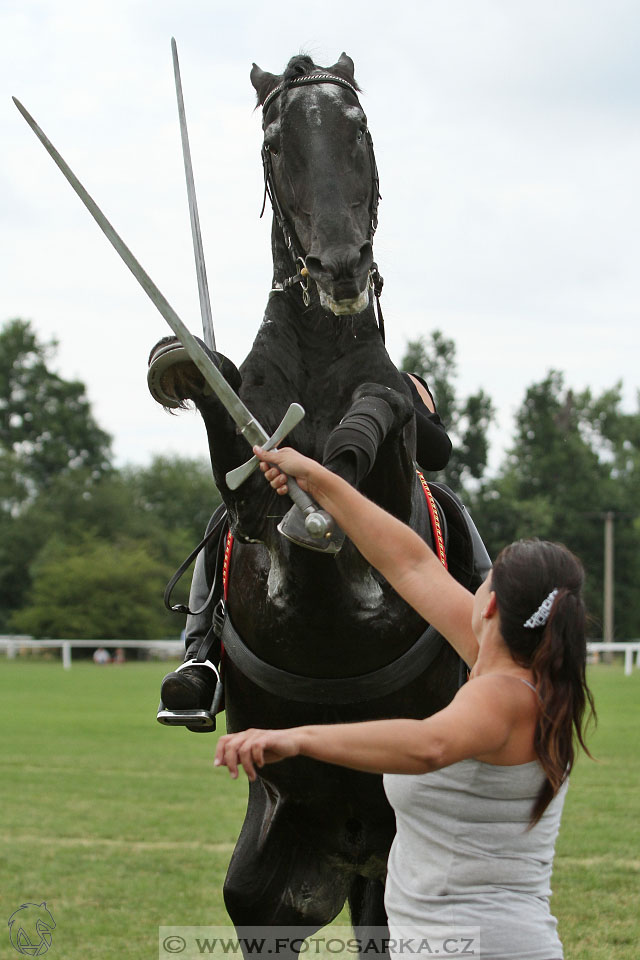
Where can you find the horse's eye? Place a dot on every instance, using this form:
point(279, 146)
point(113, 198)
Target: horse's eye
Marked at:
point(273, 150)
point(360, 136)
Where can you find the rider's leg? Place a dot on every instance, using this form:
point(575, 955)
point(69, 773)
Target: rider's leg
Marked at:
point(193, 686)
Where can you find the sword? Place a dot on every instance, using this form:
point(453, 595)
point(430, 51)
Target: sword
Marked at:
point(198, 252)
point(318, 523)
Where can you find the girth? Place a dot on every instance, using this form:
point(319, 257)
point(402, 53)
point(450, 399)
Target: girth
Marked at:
point(331, 690)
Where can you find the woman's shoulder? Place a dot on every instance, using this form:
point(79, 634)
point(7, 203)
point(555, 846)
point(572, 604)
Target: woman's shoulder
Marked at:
point(513, 701)
point(494, 700)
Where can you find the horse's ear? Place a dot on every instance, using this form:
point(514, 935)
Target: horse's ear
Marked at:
point(344, 66)
point(263, 82)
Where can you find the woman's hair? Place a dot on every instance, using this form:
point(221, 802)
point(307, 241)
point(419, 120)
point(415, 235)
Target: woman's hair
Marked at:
point(523, 576)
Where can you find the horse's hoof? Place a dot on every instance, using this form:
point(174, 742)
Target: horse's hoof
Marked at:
point(292, 527)
point(191, 688)
point(171, 386)
point(166, 354)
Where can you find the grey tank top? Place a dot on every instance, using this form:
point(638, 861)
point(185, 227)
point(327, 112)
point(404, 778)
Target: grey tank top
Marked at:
point(464, 858)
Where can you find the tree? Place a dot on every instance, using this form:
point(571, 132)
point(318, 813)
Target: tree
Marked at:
point(59, 492)
point(467, 421)
point(47, 434)
point(97, 590)
point(46, 425)
point(177, 493)
point(162, 508)
point(574, 457)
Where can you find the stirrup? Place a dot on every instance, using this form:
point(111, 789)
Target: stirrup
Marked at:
point(196, 720)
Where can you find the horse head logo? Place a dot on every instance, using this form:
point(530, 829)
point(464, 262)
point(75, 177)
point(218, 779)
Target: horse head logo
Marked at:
point(30, 929)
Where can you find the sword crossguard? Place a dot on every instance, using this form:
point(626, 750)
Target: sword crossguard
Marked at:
point(291, 419)
point(318, 523)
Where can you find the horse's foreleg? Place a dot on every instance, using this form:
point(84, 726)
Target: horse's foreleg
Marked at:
point(352, 446)
point(174, 380)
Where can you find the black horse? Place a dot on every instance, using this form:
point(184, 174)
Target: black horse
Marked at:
point(313, 638)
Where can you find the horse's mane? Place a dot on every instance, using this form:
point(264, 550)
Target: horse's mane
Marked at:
point(300, 66)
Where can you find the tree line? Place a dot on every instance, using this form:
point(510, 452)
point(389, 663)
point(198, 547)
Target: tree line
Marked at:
point(86, 548)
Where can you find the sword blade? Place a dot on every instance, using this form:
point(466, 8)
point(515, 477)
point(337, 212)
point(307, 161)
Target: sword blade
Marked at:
point(242, 416)
point(198, 252)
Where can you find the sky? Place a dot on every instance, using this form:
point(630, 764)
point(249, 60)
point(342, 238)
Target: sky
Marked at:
point(507, 138)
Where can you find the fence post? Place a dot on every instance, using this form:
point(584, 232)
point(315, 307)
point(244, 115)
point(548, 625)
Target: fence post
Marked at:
point(66, 655)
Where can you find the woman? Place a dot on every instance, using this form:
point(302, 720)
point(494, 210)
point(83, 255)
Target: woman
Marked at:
point(477, 788)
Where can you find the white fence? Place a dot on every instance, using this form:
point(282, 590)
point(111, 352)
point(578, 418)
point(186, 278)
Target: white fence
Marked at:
point(175, 648)
point(628, 647)
point(164, 648)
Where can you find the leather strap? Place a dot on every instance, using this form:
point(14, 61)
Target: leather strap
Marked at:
point(332, 690)
point(217, 520)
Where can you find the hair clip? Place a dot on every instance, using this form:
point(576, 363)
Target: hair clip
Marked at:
point(540, 617)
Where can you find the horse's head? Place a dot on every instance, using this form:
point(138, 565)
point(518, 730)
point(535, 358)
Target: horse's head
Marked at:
point(321, 175)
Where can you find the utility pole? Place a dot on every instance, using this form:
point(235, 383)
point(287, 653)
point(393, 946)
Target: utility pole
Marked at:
point(607, 618)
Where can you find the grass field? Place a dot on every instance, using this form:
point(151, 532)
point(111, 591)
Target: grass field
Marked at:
point(122, 825)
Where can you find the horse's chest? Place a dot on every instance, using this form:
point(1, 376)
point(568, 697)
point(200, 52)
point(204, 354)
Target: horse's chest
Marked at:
point(313, 370)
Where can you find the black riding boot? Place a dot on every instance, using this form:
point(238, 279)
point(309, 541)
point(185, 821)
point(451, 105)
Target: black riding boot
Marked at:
point(193, 687)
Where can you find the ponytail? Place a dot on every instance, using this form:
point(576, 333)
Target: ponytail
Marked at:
point(553, 648)
point(558, 667)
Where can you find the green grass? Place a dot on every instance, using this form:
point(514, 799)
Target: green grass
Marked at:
point(122, 825)
point(597, 868)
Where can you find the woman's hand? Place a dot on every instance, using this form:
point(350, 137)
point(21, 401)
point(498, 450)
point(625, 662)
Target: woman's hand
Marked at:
point(276, 464)
point(253, 748)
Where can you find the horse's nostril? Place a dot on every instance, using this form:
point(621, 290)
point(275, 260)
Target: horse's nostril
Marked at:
point(366, 257)
point(343, 266)
point(315, 267)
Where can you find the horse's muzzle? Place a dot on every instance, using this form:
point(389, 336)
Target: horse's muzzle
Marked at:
point(347, 306)
point(342, 278)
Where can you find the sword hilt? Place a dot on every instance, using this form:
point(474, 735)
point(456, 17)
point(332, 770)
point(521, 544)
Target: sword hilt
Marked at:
point(318, 523)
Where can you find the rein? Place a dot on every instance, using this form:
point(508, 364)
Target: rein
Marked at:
point(290, 238)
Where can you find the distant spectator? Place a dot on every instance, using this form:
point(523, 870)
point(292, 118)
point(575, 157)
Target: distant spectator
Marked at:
point(101, 656)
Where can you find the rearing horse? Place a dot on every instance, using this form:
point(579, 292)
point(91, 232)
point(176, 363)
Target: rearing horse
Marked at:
point(312, 638)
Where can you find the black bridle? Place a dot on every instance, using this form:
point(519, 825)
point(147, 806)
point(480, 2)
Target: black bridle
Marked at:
point(288, 231)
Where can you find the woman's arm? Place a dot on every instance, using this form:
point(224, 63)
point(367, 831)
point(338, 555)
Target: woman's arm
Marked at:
point(478, 721)
point(389, 545)
point(423, 392)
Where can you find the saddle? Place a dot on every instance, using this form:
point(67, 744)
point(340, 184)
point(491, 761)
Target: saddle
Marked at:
point(467, 555)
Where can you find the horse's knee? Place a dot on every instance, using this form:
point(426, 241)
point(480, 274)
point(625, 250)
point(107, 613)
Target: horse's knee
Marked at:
point(400, 403)
point(352, 446)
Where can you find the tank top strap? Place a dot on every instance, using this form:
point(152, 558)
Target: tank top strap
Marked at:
point(530, 685)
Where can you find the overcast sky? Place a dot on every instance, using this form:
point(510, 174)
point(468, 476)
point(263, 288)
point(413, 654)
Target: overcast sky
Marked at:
point(507, 137)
